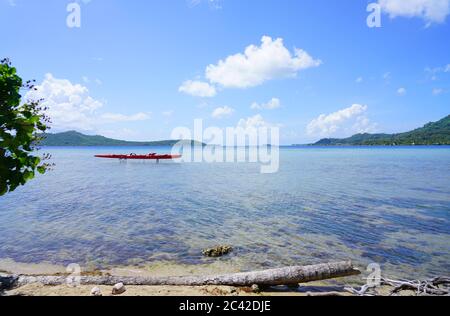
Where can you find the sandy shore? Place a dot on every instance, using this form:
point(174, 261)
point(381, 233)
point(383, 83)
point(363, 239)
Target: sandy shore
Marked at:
point(312, 289)
point(40, 290)
point(155, 269)
point(166, 269)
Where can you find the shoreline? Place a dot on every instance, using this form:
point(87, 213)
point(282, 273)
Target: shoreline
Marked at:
point(163, 268)
point(332, 287)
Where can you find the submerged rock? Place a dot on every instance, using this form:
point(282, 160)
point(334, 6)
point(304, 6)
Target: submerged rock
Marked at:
point(118, 289)
point(217, 251)
point(96, 292)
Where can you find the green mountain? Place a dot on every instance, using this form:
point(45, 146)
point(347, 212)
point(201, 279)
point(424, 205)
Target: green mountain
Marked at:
point(437, 133)
point(73, 138)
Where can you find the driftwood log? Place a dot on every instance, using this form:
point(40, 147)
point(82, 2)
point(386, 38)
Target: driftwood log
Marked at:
point(439, 286)
point(282, 276)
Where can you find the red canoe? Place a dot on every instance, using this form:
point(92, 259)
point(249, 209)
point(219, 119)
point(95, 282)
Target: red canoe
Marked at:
point(139, 157)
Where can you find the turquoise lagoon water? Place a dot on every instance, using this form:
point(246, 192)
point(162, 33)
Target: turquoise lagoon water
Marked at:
point(384, 205)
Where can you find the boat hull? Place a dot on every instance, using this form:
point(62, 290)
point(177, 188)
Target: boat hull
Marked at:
point(139, 157)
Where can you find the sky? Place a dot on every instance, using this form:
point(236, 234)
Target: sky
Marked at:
point(136, 70)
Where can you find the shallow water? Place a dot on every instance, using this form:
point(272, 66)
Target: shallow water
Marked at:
point(385, 205)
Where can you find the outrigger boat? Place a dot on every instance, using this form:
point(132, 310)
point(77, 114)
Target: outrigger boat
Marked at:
point(152, 156)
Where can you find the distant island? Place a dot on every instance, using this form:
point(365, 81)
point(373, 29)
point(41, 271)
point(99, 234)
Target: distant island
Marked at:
point(437, 133)
point(73, 138)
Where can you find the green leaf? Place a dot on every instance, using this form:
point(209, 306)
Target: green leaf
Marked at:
point(19, 125)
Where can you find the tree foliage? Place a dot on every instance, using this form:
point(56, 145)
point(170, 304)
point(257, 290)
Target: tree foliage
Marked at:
point(20, 124)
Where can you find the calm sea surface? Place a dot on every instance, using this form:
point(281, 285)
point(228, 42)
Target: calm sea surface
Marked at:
point(384, 205)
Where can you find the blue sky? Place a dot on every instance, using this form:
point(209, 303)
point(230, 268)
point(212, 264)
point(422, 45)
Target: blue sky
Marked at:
point(137, 69)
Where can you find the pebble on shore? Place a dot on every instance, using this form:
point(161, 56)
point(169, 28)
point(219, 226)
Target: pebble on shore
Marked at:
point(255, 288)
point(118, 289)
point(96, 292)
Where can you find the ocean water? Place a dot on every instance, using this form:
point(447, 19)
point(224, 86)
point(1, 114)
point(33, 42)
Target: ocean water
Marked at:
point(385, 205)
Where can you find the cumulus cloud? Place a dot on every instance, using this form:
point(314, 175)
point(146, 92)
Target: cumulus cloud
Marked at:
point(256, 121)
point(70, 106)
point(198, 89)
point(273, 104)
point(432, 11)
point(259, 64)
point(222, 112)
point(363, 125)
point(401, 91)
point(348, 120)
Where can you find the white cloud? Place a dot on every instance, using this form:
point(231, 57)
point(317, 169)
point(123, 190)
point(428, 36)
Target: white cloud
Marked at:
point(115, 117)
point(256, 121)
point(401, 91)
point(364, 125)
point(222, 112)
point(71, 107)
point(198, 89)
point(432, 11)
point(348, 120)
point(259, 64)
point(359, 79)
point(432, 73)
point(87, 80)
point(273, 104)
